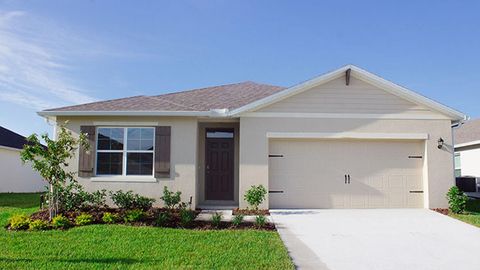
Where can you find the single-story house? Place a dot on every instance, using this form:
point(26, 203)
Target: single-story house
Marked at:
point(467, 149)
point(345, 139)
point(14, 175)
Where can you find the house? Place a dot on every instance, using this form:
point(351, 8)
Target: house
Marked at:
point(346, 139)
point(14, 175)
point(467, 149)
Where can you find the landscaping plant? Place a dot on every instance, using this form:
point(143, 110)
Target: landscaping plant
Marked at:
point(457, 200)
point(83, 219)
point(38, 225)
point(61, 222)
point(129, 200)
point(216, 219)
point(19, 222)
point(255, 196)
point(187, 217)
point(260, 221)
point(110, 218)
point(134, 215)
point(171, 199)
point(237, 220)
point(51, 161)
point(162, 219)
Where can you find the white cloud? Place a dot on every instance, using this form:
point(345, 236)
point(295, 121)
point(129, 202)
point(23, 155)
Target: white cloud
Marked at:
point(33, 63)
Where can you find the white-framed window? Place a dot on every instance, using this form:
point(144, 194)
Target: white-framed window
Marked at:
point(125, 151)
point(458, 164)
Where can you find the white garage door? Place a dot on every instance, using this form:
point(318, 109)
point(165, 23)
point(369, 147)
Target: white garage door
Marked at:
point(345, 174)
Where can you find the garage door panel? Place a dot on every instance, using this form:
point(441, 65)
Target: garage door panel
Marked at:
point(311, 174)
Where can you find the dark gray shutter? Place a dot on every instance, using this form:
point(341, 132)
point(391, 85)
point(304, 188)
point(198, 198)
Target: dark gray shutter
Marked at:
point(162, 152)
point(87, 157)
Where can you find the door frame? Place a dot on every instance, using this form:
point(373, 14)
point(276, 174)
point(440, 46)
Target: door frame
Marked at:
point(234, 152)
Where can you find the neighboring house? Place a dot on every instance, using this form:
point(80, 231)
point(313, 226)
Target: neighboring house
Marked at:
point(346, 139)
point(14, 175)
point(467, 149)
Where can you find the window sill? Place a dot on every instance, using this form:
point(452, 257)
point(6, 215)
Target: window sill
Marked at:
point(132, 179)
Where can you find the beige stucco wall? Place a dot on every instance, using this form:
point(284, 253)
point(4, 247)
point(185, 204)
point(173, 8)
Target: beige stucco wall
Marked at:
point(16, 176)
point(183, 156)
point(438, 170)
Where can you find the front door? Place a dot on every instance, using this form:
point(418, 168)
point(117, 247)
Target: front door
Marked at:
point(219, 164)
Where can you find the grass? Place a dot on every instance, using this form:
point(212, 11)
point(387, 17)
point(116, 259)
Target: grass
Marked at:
point(472, 214)
point(126, 247)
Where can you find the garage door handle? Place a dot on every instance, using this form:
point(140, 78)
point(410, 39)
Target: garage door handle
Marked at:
point(349, 178)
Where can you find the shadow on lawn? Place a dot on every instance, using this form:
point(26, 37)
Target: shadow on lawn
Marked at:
point(73, 261)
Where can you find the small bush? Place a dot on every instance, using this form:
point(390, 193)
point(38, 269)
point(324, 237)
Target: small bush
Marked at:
point(260, 221)
point(134, 215)
point(84, 219)
point(19, 222)
point(216, 219)
point(255, 196)
point(457, 200)
point(237, 220)
point(186, 217)
point(171, 199)
point(110, 218)
point(38, 225)
point(61, 222)
point(128, 200)
point(162, 219)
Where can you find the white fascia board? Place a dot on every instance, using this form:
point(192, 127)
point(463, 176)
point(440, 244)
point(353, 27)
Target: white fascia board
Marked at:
point(125, 113)
point(467, 144)
point(361, 74)
point(347, 135)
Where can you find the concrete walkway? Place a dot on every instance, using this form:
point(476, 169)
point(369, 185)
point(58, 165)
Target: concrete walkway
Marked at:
point(378, 239)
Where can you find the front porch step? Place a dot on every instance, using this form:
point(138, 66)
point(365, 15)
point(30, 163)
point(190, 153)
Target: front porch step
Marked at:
point(217, 207)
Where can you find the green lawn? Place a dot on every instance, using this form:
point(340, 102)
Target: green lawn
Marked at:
point(125, 247)
point(472, 215)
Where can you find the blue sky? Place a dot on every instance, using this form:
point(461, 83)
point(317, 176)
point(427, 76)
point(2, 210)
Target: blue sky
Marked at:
point(55, 53)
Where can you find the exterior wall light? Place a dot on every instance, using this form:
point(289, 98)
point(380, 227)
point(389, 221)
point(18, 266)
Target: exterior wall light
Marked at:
point(440, 143)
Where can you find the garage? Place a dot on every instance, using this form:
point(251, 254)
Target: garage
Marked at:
point(337, 173)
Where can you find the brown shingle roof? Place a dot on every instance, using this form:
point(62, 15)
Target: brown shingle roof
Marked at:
point(468, 132)
point(230, 96)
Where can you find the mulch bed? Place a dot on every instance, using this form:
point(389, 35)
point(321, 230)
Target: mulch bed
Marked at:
point(441, 210)
point(250, 212)
point(151, 216)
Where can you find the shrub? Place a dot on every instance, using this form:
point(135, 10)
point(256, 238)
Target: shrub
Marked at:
point(171, 199)
point(216, 219)
point(128, 200)
point(61, 222)
point(38, 225)
point(110, 218)
point(186, 217)
point(457, 200)
point(162, 219)
point(19, 222)
point(237, 220)
point(260, 221)
point(134, 215)
point(255, 196)
point(84, 219)
point(73, 197)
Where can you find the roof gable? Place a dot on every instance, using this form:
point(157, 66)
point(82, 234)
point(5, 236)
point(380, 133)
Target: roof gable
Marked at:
point(362, 75)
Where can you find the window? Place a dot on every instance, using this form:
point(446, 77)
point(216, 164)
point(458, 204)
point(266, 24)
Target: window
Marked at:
point(458, 165)
point(125, 151)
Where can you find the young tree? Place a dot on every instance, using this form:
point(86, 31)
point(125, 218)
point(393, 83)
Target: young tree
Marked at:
point(52, 160)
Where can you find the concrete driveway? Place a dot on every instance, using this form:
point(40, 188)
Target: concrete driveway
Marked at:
point(378, 239)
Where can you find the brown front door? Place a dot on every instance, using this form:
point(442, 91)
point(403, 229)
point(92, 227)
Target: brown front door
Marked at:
point(219, 164)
